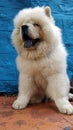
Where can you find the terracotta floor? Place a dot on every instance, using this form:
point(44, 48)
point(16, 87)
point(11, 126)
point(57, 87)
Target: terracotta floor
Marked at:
point(44, 116)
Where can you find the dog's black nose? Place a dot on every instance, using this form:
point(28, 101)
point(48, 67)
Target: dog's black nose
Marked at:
point(24, 28)
point(24, 31)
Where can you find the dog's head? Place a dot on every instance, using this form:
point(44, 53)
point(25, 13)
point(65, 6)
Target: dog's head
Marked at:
point(33, 31)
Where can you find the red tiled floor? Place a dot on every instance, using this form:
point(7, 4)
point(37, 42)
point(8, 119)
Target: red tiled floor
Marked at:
point(44, 116)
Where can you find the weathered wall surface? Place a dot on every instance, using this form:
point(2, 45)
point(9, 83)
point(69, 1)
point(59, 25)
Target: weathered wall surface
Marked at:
point(62, 11)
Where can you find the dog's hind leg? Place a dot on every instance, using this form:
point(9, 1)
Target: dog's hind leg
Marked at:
point(35, 99)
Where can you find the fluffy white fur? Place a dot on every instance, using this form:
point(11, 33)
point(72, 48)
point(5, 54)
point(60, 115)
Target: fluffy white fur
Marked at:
point(42, 69)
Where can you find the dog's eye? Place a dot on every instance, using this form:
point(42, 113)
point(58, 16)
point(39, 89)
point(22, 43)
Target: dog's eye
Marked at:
point(35, 24)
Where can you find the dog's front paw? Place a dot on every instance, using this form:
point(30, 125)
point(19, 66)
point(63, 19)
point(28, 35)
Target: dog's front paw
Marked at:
point(64, 106)
point(17, 104)
point(66, 109)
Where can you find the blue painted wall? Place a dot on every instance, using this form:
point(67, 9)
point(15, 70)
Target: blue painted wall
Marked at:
point(62, 11)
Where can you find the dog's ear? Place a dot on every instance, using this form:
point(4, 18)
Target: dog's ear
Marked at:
point(48, 11)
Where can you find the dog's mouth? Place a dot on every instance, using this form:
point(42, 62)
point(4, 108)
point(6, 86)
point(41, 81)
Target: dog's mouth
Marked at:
point(29, 42)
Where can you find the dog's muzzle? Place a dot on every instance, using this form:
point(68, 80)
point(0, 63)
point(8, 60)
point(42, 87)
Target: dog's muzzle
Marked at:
point(29, 42)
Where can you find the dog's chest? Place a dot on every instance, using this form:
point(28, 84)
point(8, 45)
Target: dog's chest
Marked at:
point(38, 72)
point(35, 69)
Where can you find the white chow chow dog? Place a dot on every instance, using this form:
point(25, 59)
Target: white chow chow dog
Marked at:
point(41, 59)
